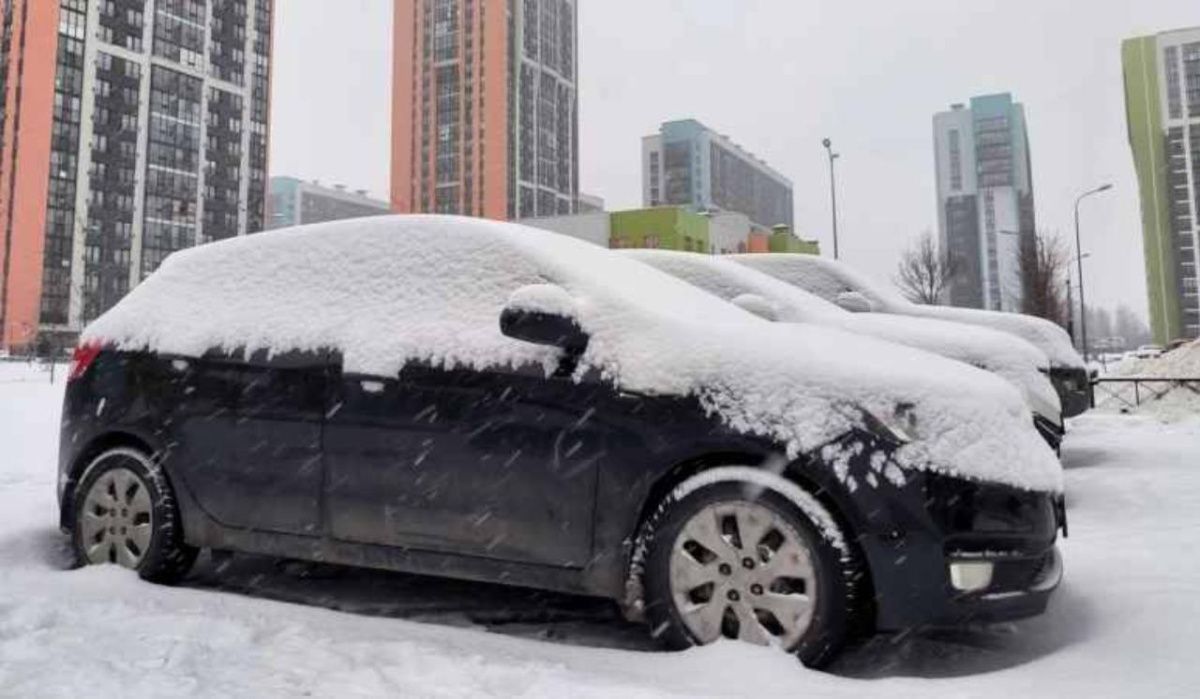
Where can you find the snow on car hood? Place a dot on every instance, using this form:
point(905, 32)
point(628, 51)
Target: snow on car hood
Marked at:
point(1043, 334)
point(388, 290)
point(1010, 358)
point(828, 278)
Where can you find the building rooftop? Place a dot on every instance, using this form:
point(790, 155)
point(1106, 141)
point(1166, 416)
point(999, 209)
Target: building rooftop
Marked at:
point(695, 125)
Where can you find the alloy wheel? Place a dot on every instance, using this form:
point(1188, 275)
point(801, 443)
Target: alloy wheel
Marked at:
point(117, 519)
point(739, 570)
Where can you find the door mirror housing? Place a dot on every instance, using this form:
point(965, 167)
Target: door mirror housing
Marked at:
point(759, 306)
point(855, 302)
point(544, 314)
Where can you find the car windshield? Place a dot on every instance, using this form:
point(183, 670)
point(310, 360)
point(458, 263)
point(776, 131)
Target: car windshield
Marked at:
point(727, 280)
point(821, 277)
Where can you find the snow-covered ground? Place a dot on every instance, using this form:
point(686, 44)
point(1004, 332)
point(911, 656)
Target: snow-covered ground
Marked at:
point(1125, 623)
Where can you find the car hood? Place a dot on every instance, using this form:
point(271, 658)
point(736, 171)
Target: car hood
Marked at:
point(1009, 357)
point(1048, 337)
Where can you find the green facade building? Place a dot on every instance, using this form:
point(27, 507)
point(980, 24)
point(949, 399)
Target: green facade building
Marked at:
point(782, 240)
point(677, 228)
point(1162, 103)
point(666, 227)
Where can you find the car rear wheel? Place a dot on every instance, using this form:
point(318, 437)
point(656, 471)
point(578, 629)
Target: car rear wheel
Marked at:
point(741, 560)
point(125, 514)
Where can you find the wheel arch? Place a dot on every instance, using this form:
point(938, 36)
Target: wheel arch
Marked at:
point(108, 441)
point(808, 472)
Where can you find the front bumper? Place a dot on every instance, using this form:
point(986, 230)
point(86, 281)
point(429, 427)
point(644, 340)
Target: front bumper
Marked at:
point(948, 551)
point(1015, 587)
point(1074, 387)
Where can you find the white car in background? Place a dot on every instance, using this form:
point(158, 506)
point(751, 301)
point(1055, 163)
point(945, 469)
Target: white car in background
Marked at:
point(1011, 358)
point(841, 284)
point(1148, 352)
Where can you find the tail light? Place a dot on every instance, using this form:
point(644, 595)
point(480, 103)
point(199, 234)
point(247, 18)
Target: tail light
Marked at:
point(82, 359)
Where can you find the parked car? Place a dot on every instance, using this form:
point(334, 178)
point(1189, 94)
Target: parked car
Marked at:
point(1011, 358)
point(840, 284)
point(479, 400)
point(1148, 352)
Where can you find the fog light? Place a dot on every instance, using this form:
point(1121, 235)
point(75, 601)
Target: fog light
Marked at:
point(971, 576)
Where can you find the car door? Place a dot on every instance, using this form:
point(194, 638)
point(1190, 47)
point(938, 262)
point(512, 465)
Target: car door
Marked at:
point(249, 437)
point(499, 464)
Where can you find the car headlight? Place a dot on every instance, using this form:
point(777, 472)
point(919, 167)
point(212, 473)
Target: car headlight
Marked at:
point(969, 507)
point(896, 429)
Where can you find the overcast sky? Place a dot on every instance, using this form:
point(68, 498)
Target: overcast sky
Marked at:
point(777, 76)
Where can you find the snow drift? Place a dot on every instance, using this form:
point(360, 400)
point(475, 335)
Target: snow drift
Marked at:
point(1164, 401)
point(388, 290)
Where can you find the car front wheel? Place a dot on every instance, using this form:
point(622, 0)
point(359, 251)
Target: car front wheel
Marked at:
point(125, 514)
point(745, 555)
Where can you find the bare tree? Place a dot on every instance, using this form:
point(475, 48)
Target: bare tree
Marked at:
point(925, 273)
point(1044, 260)
point(1130, 326)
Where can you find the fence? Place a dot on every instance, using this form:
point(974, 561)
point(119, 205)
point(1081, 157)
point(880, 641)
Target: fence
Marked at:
point(1153, 388)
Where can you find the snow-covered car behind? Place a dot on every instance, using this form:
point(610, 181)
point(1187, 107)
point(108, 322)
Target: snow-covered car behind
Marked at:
point(1011, 358)
point(1148, 352)
point(839, 283)
point(481, 400)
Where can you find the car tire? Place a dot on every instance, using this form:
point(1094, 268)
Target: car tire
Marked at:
point(124, 512)
point(696, 588)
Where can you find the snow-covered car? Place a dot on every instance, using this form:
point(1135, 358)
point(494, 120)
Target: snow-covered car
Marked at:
point(1011, 358)
point(481, 400)
point(838, 283)
point(1148, 352)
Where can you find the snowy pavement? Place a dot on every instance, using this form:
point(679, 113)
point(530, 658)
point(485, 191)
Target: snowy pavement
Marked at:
point(1125, 623)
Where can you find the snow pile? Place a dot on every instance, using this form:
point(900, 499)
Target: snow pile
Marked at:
point(1161, 400)
point(389, 290)
point(827, 279)
point(1011, 358)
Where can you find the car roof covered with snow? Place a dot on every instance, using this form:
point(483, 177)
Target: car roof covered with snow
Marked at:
point(384, 291)
point(829, 278)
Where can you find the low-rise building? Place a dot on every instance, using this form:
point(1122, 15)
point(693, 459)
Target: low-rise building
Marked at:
point(595, 227)
point(676, 228)
point(665, 227)
point(783, 240)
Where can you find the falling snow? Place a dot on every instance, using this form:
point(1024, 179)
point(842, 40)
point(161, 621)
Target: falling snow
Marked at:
point(257, 627)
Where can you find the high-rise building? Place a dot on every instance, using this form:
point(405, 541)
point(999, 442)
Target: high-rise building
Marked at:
point(985, 199)
point(688, 164)
point(1162, 101)
point(294, 202)
point(485, 114)
point(130, 129)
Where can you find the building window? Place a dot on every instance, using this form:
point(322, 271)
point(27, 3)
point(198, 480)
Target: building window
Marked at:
point(1171, 64)
point(1191, 74)
point(955, 160)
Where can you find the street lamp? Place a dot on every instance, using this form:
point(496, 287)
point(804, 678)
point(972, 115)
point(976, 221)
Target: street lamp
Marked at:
point(832, 192)
point(1079, 261)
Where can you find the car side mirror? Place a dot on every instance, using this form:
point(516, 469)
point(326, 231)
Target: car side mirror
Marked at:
point(544, 314)
point(855, 302)
point(759, 306)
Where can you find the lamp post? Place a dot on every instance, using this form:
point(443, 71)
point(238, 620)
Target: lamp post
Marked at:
point(832, 192)
point(1079, 262)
